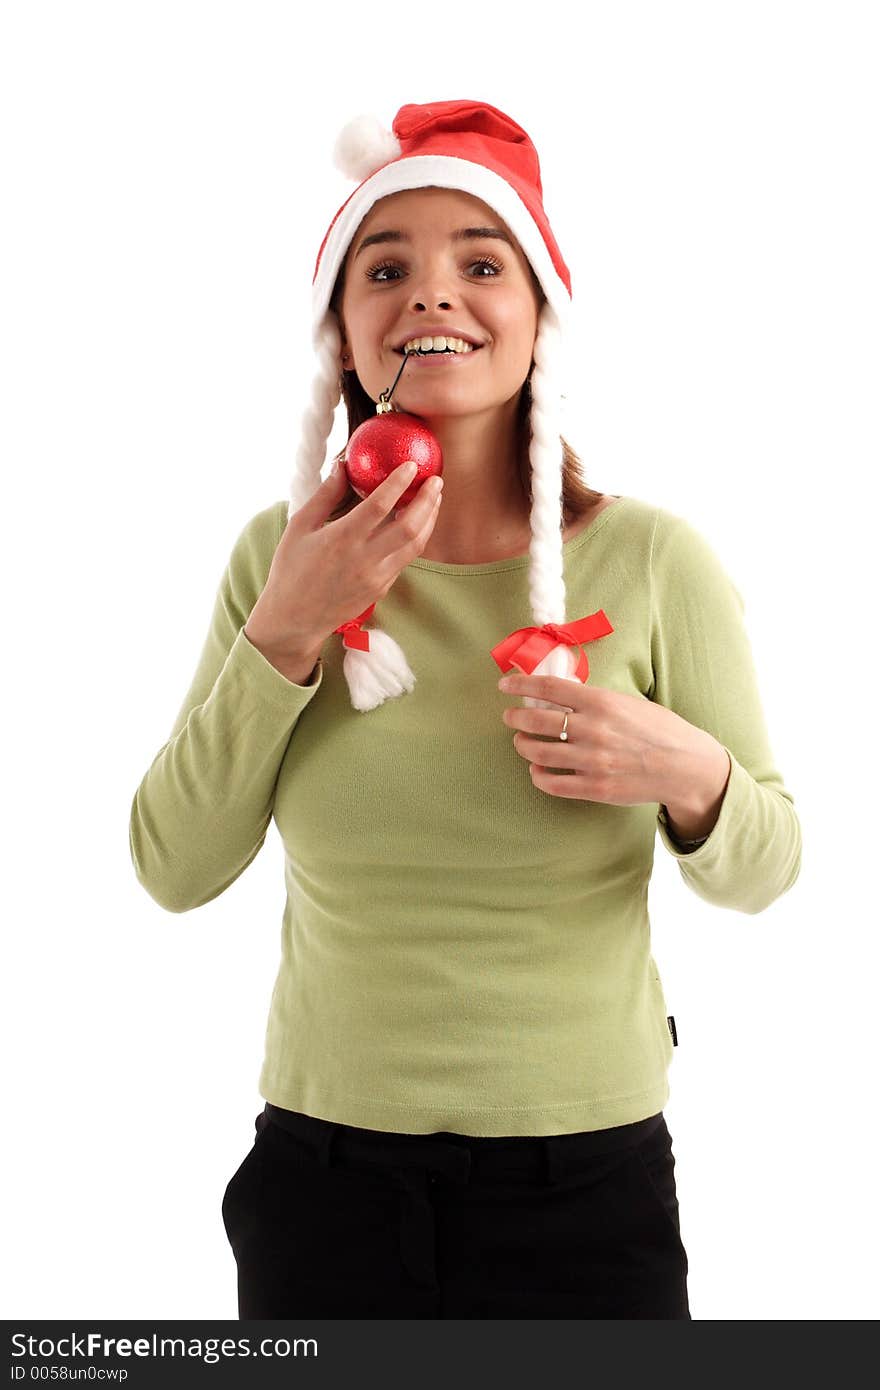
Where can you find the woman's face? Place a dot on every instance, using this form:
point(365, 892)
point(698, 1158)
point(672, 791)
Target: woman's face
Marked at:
point(425, 281)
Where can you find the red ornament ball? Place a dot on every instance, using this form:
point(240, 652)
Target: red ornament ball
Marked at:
point(383, 443)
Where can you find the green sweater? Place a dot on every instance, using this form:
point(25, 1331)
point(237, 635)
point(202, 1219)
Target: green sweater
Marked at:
point(461, 951)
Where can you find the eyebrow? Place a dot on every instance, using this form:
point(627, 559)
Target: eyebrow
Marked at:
point(463, 234)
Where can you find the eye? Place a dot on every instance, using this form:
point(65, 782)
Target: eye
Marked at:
point(374, 272)
point(490, 261)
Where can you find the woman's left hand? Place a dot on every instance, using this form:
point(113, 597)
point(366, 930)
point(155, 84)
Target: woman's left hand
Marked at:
point(623, 750)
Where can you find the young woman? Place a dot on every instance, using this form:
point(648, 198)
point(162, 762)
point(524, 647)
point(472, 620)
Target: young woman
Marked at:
point(468, 1048)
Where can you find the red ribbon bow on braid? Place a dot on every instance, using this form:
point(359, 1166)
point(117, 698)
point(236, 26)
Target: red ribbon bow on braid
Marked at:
point(352, 633)
point(528, 646)
point(524, 648)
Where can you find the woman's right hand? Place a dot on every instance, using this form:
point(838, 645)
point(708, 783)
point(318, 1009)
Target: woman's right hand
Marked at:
point(323, 575)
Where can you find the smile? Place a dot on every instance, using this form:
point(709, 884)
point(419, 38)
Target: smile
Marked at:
point(436, 359)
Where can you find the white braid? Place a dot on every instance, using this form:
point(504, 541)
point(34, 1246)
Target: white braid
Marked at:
point(546, 582)
point(317, 422)
point(546, 586)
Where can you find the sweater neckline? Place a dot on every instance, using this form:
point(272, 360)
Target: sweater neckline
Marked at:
point(516, 562)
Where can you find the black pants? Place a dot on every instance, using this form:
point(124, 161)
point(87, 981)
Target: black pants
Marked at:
point(330, 1221)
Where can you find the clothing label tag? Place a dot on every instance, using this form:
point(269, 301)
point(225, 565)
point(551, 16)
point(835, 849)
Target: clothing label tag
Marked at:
point(671, 1022)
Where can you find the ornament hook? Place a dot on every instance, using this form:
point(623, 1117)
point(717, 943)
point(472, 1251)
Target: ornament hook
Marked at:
point(384, 406)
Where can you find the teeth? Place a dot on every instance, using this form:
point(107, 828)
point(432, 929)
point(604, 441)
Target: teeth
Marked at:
point(437, 345)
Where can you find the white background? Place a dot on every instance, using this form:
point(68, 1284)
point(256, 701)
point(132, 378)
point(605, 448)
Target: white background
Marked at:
point(710, 174)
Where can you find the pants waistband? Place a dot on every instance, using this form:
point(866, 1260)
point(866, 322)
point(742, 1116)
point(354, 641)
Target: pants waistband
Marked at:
point(458, 1156)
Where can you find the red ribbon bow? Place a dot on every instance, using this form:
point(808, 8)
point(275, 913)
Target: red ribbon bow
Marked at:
point(352, 633)
point(528, 646)
point(525, 648)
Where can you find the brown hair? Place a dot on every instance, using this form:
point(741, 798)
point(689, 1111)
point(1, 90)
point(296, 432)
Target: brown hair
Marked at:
point(577, 497)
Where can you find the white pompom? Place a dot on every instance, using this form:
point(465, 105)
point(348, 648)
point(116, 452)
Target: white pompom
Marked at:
point(363, 146)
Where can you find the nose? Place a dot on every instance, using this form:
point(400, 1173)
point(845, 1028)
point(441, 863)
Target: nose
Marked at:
point(430, 286)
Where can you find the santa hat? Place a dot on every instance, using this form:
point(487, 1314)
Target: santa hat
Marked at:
point(476, 149)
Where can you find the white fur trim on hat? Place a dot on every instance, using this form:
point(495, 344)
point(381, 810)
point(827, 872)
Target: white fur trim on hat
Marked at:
point(439, 171)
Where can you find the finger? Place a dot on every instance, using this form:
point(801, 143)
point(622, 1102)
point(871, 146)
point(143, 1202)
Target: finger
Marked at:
point(538, 721)
point(431, 490)
point(383, 499)
point(564, 784)
point(323, 501)
point(416, 522)
point(557, 689)
point(534, 751)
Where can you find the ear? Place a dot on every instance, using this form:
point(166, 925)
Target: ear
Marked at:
point(344, 350)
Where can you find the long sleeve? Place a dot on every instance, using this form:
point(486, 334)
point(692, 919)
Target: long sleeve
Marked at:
point(202, 810)
point(704, 671)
